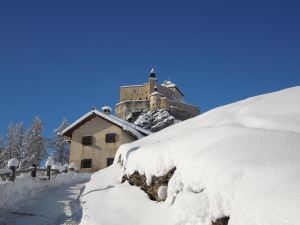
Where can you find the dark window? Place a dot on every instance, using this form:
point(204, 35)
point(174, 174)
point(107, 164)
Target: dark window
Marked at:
point(86, 163)
point(87, 140)
point(110, 138)
point(109, 161)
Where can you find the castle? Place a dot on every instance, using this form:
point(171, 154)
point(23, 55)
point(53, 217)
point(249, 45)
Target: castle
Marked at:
point(154, 96)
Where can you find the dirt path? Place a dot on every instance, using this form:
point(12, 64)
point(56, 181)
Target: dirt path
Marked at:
point(54, 206)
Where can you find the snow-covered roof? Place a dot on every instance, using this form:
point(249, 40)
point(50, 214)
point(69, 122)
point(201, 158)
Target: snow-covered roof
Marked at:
point(170, 84)
point(130, 128)
point(129, 86)
point(156, 93)
point(152, 71)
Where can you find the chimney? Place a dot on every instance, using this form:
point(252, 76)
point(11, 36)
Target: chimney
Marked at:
point(106, 109)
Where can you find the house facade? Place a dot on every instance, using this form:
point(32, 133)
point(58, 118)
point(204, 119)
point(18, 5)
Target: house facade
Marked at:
point(153, 96)
point(95, 138)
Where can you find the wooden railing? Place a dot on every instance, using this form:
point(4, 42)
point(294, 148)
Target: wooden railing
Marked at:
point(12, 172)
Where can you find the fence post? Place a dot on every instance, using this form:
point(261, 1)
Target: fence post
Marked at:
point(33, 173)
point(13, 176)
point(49, 172)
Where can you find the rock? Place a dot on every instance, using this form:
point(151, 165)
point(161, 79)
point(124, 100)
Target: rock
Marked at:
point(139, 180)
point(221, 221)
point(162, 193)
point(151, 120)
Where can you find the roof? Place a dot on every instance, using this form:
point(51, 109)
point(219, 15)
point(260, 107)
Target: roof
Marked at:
point(130, 128)
point(156, 93)
point(170, 84)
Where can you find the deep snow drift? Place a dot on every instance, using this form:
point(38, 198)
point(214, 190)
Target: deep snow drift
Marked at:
point(241, 160)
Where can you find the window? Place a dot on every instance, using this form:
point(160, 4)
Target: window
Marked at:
point(86, 163)
point(110, 138)
point(109, 161)
point(87, 140)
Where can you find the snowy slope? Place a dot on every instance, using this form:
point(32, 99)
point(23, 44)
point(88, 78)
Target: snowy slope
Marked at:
point(241, 160)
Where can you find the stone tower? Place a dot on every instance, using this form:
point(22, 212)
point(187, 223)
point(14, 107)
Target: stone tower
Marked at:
point(152, 80)
point(155, 99)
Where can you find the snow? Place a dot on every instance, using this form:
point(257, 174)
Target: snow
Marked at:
point(24, 187)
point(73, 166)
point(241, 160)
point(5, 171)
point(49, 162)
point(106, 108)
point(156, 93)
point(45, 202)
point(162, 192)
point(154, 120)
point(59, 167)
point(152, 71)
point(13, 162)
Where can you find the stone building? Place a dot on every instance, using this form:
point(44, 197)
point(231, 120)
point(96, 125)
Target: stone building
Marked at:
point(153, 96)
point(96, 136)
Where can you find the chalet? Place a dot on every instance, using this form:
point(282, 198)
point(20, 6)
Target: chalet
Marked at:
point(96, 136)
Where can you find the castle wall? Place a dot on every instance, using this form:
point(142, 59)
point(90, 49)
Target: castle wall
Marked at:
point(137, 97)
point(137, 92)
point(168, 93)
point(179, 110)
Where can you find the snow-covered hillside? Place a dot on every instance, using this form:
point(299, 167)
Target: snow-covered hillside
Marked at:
point(241, 160)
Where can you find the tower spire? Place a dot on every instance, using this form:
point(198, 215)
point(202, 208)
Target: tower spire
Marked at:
point(152, 73)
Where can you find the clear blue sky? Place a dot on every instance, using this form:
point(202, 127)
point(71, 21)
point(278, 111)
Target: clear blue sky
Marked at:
point(60, 58)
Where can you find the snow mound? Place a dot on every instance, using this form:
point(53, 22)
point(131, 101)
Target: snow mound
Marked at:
point(50, 162)
point(13, 162)
point(241, 160)
point(24, 187)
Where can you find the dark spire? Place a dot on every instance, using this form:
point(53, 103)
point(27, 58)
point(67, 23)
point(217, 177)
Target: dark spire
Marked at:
point(152, 73)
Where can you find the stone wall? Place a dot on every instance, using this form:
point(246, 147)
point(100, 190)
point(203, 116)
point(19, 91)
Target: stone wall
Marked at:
point(179, 110)
point(136, 92)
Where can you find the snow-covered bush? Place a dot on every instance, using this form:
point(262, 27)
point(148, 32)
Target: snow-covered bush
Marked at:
point(73, 167)
point(49, 162)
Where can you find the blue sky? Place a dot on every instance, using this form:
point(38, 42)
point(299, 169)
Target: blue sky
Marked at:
point(61, 58)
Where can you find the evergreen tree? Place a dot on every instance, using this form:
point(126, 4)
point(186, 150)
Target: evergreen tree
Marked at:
point(35, 143)
point(15, 137)
point(61, 146)
point(4, 157)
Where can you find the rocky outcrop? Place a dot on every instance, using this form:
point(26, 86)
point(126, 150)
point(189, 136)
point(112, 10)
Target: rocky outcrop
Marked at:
point(151, 120)
point(221, 221)
point(139, 180)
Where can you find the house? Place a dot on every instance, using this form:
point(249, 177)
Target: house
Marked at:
point(153, 96)
point(96, 136)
